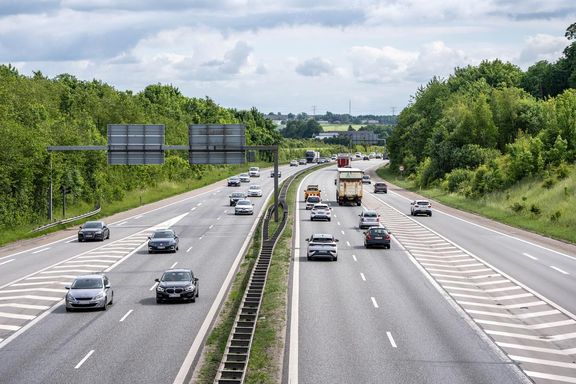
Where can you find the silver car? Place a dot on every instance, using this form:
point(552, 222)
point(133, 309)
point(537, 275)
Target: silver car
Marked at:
point(369, 219)
point(244, 207)
point(322, 245)
point(244, 178)
point(89, 291)
point(254, 191)
point(320, 211)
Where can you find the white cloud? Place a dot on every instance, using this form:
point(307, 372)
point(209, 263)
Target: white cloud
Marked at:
point(315, 67)
point(542, 47)
point(380, 65)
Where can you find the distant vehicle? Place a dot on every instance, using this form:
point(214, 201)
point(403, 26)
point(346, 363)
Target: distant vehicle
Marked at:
point(322, 245)
point(369, 219)
point(254, 191)
point(372, 155)
point(312, 156)
point(163, 240)
point(279, 173)
point(378, 155)
point(311, 190)
point(177, 285)
point(302, 161)
point(380, 187)
point(420, 207)
point(89, 291)
point(377, 237)
point(321, 211)
point(349, 186)
point(344, 160)
point(254, 172)
point(235, 196)
point(311, 200)
point(244, 207)
point(365, 158)
point(366, 179)
point(294, 163)
point(333, 157)
point(93, 230)
point(244, 178)
point(234, 181)
point(358, 155)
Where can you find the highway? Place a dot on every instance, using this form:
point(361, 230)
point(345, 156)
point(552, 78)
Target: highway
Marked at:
point(452, 301)
point(135, 340)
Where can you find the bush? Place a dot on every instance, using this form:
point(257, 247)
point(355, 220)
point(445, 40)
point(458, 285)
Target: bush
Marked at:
point(535, 210)
point(548, 183)
point(517, 207)
point(555, 216)
point(458, 179)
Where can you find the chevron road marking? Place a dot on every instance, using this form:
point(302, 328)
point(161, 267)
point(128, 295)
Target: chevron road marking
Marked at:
point(547, 376)
point(23, 306)
point(16, 316)
point(524, 326)
point(567, 352)
point(509, 316)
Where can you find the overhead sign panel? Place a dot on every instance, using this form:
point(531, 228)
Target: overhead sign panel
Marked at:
point(217, 144)
point(135, 144)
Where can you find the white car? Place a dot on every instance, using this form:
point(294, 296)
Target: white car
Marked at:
point(254, 191)
point(254, 172)
point(322, 245)
point(321, 211)
point(244, 178)
point(244, 207)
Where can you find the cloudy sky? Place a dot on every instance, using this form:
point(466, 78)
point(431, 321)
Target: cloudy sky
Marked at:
point(279, 56)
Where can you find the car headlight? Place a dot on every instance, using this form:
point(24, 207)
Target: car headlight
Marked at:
point(71, 297)
point(159, 289)
point(189, 288)
point(99, 296)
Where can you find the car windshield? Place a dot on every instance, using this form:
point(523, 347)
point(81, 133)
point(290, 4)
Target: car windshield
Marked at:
point(370, 214)
point(237, 194)
point(422, 203)
point(366, 177)
point(244, 202)
point(255, 187)
point(93, 224)
point(162, 234)
point(379, 184)
point(243, 175)
point(322, 240)
point(87, 283)
point(253, 169)
point(378, 231)
point(313, 199)
point(177, 276)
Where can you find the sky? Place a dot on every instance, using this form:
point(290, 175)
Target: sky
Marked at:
point(312, 56)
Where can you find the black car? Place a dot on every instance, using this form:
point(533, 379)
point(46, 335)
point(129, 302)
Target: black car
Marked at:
point(94, 230)
point(380, 187)
point(234, 181)
point(235, 196)
point(279, 174)
point(377, 237)
point(177, 285)
point(163, 240)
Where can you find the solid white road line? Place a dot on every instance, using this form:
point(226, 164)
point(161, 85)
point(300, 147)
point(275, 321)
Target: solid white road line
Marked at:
point(530, 256)
point(6, 262)
point(559, 270)
point(126, 315)
point(374, 302)
point(120, 223)
point(362, 276)
point(392, 342)
point(41, 250)
point(173, 265)
point(84, 359)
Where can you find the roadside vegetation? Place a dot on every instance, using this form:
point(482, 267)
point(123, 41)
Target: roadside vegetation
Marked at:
point(488, 137)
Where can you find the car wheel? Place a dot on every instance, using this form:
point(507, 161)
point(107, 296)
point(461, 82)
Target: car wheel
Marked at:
point(197, 292)
point(68, 309)
point(329, 219)
point(193, 300)
point(108, 235)
point(105, 306)
point(80, 240)
point(158, 301)
point(429, 213)
point(335, 258)
point(309, 258)
point(112, 299)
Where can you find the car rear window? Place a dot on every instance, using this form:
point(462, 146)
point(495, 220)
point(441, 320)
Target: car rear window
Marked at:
point(370, 214)
point(378, 231)
point(422, 203)
point(321, 240)
point(313, 199)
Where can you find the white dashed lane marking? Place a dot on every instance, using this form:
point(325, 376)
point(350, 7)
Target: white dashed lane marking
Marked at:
point(84, 359)
point(41, 250)
point(559, 270)
point(7, 261)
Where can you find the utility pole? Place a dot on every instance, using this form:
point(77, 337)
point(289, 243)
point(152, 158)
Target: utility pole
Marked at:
point(393, 111)
point(314, 111)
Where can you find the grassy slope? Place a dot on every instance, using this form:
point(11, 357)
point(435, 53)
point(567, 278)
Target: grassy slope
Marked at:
point(529, 193)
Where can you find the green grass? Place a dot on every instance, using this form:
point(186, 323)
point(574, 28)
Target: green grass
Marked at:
point(527, 205)
point(339, 127)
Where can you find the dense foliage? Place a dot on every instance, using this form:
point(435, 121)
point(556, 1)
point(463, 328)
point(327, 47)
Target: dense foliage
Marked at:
point(484, 128)
point(36, 112)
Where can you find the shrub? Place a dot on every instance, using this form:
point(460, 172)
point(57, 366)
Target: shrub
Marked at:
point(517, 207)
point(535, 210)
point(458, 179)
point(555, 216)
point(548, 183)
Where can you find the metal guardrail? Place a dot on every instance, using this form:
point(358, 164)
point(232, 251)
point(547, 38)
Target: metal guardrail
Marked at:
point(69, 220)
point(234, 363)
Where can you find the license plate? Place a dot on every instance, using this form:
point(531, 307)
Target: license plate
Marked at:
point(161, 247)
point(174, 295)
point(378, 238)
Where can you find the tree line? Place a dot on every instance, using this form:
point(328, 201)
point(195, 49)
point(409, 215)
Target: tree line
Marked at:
point(485, 127)
point(37, 112)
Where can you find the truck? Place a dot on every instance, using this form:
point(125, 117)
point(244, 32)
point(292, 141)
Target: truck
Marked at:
point(349, 186)
point(312, 156)
point(311, 190)
point(344, 160)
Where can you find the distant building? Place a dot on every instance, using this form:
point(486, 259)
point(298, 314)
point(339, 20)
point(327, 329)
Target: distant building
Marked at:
point(361, 137)
point(326, 135)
